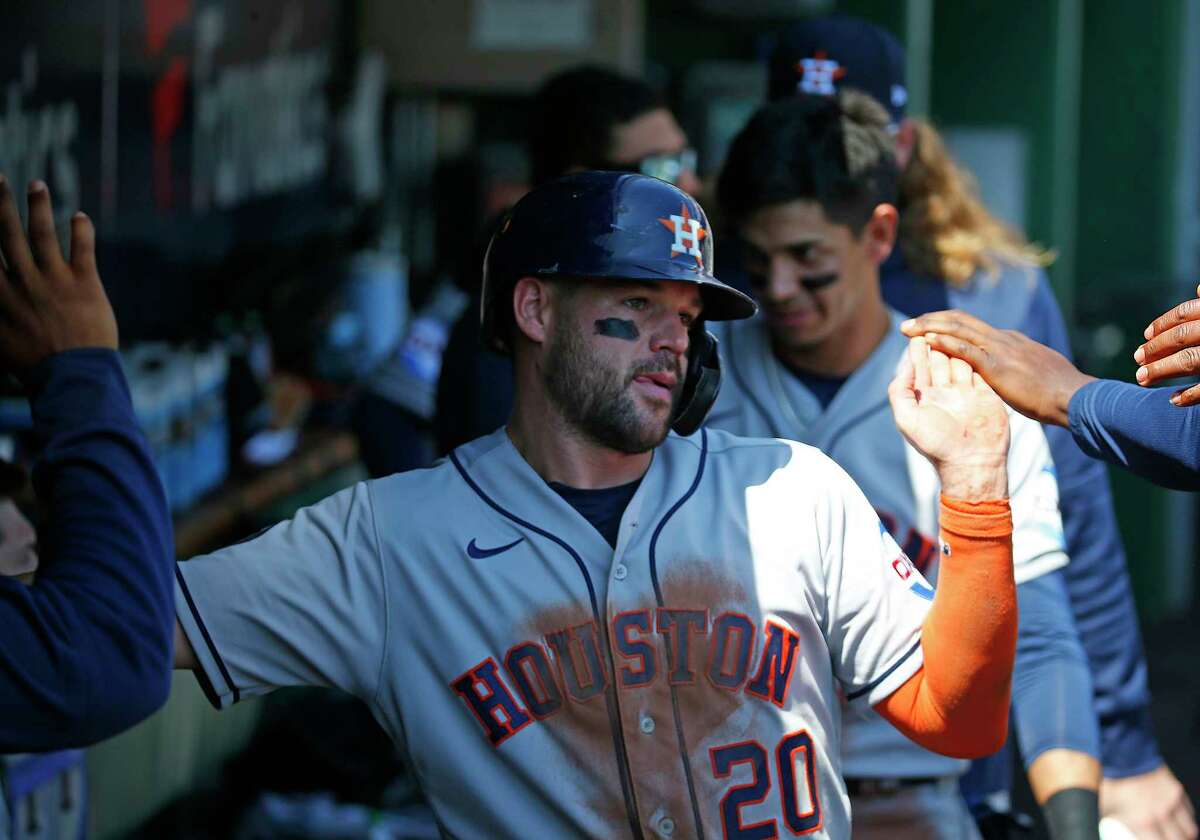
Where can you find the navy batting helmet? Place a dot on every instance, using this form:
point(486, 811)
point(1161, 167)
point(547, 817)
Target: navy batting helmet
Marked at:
point(612, 226)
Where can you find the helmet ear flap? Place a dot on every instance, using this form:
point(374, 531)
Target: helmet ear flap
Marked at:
point(702, 384)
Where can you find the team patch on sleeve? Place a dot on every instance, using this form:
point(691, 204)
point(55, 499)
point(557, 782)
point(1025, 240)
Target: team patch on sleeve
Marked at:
point(903, 568)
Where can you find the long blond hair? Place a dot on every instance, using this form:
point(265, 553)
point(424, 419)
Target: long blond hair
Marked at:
point(945, 231)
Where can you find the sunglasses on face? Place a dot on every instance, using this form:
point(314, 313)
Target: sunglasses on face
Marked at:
point(665, 167)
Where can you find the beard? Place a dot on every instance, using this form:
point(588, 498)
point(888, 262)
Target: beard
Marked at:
point(597, 400)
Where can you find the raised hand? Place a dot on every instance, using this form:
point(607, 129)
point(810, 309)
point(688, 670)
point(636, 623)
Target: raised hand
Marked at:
point(1034, 379)
point(48, 304)
point(951, 416)
point(1172, 349)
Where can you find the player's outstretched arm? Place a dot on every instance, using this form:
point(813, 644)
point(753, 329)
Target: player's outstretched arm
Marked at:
point(87, 645)
point(958, 703)
point(1119, 422)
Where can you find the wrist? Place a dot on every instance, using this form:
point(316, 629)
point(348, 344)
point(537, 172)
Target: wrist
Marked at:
point(1060, 411)
point(974, 482)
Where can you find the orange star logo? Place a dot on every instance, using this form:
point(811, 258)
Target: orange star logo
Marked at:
point(688, 235)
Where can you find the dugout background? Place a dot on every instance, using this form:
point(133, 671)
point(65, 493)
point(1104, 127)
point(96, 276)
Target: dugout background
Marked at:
point(1081, 119)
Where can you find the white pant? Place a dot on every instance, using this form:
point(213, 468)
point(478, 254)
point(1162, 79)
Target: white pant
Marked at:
point(935, 811)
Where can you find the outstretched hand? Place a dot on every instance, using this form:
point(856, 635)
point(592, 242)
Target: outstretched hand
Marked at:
point(1034, 379)
point(1172, 349)
point(951, 416)
point(48, 304)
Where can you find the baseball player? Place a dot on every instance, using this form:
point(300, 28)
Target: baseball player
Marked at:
point(953, 253)
point(581, 625)
point(810, 184)
point(585, 117)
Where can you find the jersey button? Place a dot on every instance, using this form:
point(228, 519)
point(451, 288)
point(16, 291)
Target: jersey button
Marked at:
point(666, 826)
point(646, 724)
point(620, 572)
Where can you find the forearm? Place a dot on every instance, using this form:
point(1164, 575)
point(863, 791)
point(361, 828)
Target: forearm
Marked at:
point(1061, 769)
point(958, 703)
point(87, 649)
point(1140, 430)
point(1052, 685)
point(1102, 606)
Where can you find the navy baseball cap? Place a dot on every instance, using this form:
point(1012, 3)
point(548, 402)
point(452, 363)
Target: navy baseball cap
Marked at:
point(822, 55)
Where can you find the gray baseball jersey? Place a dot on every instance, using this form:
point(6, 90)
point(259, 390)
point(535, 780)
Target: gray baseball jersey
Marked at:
point(543, 684)
point(760, 397)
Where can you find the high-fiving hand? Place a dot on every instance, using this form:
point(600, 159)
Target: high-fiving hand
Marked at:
point(1172, 349)
point(47, 303)
point(1034, 379)
point(951, 416)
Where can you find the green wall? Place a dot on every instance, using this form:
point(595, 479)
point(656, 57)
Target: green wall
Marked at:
point(1129, 159)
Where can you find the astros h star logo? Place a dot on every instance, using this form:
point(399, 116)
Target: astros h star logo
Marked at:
point(688, 234)
point(818, 74)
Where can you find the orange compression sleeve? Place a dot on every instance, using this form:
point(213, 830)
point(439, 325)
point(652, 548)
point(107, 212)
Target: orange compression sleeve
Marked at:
point(957, 704)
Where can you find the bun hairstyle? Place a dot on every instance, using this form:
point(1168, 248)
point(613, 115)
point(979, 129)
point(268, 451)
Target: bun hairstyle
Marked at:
point(835, 151)
point(945, 231)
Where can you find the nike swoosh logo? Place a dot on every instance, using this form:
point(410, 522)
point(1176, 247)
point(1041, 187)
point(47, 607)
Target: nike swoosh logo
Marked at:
point(478, 553)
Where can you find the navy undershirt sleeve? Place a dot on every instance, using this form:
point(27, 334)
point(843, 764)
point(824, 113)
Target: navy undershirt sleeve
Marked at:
point(87, 648)
point(1097, 580)
point(1138, 429)
point(1051, 679)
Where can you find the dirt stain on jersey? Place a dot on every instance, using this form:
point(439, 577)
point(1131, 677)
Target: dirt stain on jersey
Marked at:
point(583, 731)
point(704, 707)
point(708, 714)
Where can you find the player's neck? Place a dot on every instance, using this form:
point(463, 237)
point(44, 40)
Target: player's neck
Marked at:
point(844, 351)
point(559, 452)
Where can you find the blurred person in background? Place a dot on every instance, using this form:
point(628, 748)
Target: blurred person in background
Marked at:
point(87, 645)
point(583, 118)
point(952, 253)
point(810, 185)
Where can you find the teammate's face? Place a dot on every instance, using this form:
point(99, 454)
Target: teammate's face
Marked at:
point(652, 133)
point(812, 276)
point(616, 358)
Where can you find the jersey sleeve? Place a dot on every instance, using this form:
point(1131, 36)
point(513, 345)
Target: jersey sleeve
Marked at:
point(87, 650)
point(876, 600)
point(1038, 542)
point(300, 604)
point(1137, 428)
